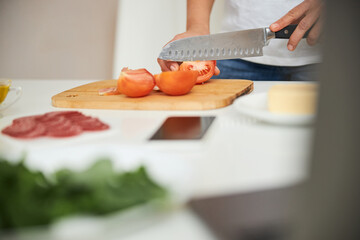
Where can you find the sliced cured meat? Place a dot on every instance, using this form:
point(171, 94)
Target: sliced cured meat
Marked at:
point(78, 118)
point(50, 115)
point(71, 113)
point(38, 131)
point(66, 123)
point(108, 91)
point(59, 125)
point(65, 131)
point(20, 126)
point(26, 119)
point(93, 124)
point(53, 121)
point(54, 124)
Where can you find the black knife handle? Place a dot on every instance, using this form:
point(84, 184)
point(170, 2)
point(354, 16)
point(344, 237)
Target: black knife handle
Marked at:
point(286, 32)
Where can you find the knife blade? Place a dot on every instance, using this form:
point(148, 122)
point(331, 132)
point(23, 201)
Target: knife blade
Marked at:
point(229, 45)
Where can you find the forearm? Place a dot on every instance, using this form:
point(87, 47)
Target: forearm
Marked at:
point(197, 23)
point(198, 16)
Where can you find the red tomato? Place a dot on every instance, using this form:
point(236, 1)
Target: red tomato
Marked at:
point(176, 82)
point(135, 83)
point(206, 69)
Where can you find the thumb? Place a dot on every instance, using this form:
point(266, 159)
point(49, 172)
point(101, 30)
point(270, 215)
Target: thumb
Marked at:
point(216, 71)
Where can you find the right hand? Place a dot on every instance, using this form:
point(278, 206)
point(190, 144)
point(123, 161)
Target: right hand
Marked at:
point(307, 14)
point(166, 65)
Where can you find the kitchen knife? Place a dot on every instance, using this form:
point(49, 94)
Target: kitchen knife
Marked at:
point(238, 44)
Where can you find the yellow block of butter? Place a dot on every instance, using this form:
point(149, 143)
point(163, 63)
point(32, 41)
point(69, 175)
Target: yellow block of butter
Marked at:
point(293, 98)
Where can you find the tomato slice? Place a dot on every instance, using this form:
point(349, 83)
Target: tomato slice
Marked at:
point(135, 83)
point(206, 69)
point(108, 91)
point(176, 82)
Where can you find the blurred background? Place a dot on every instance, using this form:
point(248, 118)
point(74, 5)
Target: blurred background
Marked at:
point(94, 39)
point(87, 39)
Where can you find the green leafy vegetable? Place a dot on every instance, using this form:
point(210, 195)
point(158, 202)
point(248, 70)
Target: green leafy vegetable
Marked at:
point(28, 198)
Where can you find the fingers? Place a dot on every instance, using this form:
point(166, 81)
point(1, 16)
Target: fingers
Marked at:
point(306, 14)
point(291, 17)
point(168, 65)
point(300, 30)
point(174, 66)
point(217, 71)
point(315, 32)
point(171, 65)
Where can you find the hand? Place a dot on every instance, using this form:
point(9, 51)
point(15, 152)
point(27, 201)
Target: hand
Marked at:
point(174, 66)
point(306, 14)
point(171, 65)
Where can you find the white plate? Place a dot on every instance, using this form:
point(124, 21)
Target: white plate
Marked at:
point(255, 105)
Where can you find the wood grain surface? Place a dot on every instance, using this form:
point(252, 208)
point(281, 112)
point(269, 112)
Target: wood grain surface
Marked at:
point(211, 95)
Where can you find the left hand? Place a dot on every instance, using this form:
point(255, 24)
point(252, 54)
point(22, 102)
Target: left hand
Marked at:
point(306, 14)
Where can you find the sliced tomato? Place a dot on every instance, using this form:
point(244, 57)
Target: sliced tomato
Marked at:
point(176, 82)
point(206, 69)
point(135, 83)
point(108, 91)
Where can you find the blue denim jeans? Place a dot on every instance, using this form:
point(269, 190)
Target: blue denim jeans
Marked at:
point(241, 69)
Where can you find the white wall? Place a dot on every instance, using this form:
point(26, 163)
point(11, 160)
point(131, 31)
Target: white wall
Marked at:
point(145, 26)
point(57, 39)
point(67, 39)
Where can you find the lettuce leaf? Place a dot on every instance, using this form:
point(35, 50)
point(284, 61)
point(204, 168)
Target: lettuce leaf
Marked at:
point(28, 198)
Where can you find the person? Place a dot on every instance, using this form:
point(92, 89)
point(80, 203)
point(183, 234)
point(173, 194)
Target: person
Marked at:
point(294, 59)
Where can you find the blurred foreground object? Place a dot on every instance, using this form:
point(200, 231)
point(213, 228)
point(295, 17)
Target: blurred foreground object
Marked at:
point(29, 198)
point(326, 205)
point(330, 201)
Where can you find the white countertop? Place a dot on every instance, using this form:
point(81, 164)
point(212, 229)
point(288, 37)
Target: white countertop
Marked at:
point(236, 155)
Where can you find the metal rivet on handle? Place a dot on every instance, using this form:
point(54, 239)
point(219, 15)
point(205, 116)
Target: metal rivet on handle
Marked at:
point(286, 31)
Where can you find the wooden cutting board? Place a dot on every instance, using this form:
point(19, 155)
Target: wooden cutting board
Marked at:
point(213, 94)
